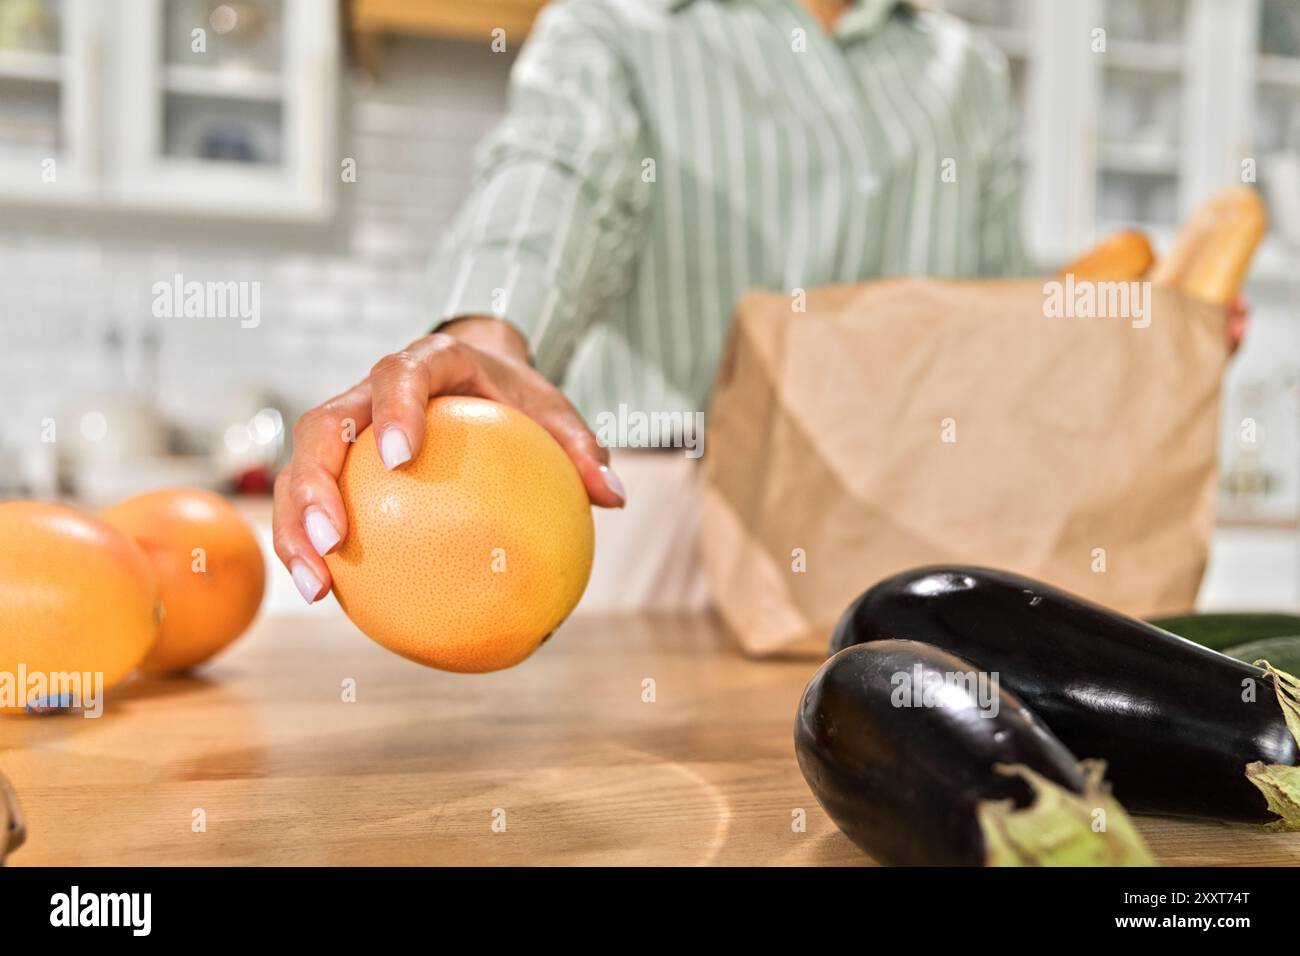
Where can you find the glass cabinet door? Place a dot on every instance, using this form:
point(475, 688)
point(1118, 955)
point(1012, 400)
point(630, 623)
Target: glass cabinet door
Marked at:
point(223, 83)
point(47, 54)
point(1276, 130)
point(1140, 113)
point(227, 106)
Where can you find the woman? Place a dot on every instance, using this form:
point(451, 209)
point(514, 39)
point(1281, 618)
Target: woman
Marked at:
point(658, 159)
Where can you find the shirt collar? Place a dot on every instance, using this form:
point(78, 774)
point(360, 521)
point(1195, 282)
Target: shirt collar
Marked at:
point(862, 19)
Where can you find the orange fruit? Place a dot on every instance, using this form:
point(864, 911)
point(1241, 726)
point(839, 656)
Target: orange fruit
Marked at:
point(76, 596)
point(209, 566)
point(468, 556)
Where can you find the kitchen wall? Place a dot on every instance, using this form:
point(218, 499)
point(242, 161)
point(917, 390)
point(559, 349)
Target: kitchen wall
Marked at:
point(332, 299)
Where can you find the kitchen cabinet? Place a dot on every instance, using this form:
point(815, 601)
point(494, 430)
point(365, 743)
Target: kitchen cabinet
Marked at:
point(188, 106)
point(370, 20)
point(50, 59)
point(1135, 111)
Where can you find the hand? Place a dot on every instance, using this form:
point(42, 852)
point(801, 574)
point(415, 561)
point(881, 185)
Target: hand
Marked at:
point(309, 519)
point(1238, 316)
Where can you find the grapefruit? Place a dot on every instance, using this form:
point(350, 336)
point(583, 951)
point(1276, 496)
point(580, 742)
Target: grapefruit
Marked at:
point(76, 595)
point(209, 566)
point(471, 554)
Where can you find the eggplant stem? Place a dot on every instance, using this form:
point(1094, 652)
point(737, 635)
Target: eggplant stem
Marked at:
point(1279, 783)
point(1058, 828)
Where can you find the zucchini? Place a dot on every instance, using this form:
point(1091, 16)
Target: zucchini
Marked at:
point(965, 777)
point(1219, 631)
point(1282, 652)
point(1184, 730)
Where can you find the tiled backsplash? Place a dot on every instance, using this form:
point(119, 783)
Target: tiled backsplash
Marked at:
point(333, 298)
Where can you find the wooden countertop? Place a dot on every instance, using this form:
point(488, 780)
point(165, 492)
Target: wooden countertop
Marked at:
point(586, 772)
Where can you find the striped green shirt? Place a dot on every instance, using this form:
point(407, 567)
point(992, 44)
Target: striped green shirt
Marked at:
point(659, 158)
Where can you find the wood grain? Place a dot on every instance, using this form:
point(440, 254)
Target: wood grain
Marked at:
point(585, 770)
point(447, 18)
point(371, 20)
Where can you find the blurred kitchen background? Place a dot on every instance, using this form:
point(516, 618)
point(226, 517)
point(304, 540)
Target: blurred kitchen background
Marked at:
point(143, 139)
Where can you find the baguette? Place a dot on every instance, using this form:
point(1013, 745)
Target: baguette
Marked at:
point(1212, 252)
point(1126, 255)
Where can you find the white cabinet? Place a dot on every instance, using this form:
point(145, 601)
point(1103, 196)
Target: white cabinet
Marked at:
point(1137, 110)
point(50, 69)
point(241, 124)
point(189, 106)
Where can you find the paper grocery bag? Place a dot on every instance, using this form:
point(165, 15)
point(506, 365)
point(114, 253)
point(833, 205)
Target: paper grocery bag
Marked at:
point(916, 421)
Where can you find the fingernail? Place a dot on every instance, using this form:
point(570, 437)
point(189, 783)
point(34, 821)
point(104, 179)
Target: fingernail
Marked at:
point(394, 449)
point(612, 481)
point(304, 581)
point(321, 530)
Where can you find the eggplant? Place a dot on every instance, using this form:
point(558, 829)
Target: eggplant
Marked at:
point(1177, 724)
point(922, 761)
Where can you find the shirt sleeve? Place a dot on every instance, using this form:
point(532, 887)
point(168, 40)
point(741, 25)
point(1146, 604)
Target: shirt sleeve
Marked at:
point(1002, 251)
point(549, 231)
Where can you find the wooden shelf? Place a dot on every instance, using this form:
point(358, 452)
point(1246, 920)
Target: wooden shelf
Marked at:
point(370, 20)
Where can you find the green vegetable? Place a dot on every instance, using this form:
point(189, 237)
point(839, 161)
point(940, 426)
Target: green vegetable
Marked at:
point(1282, 652)
point(1221, 631)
